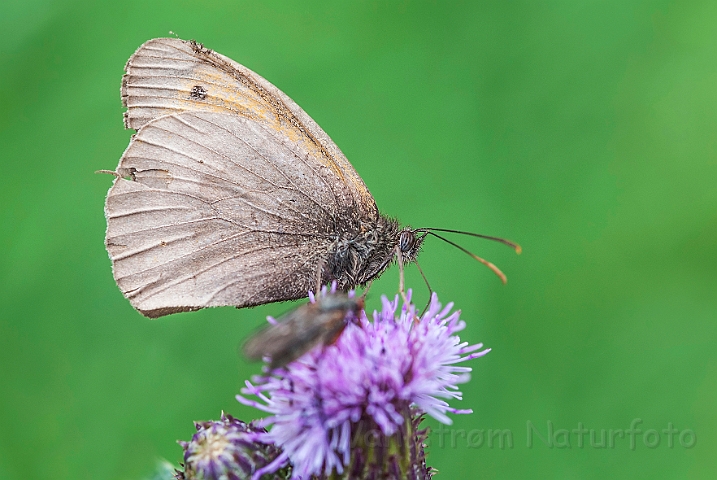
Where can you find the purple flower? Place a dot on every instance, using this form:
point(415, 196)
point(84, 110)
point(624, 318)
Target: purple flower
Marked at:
point(225, 450)
point(339, 407)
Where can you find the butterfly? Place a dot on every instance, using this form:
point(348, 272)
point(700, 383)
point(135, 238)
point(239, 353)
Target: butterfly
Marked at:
point(230, 194)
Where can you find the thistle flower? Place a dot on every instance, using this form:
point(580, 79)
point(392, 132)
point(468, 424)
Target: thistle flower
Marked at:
point(226, 450)
point(353, 407)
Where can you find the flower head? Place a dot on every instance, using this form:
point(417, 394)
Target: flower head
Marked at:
point(225, 450)
point(372, 382)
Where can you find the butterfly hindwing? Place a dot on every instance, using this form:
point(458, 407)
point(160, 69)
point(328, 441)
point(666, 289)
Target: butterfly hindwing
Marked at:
point(212, 212)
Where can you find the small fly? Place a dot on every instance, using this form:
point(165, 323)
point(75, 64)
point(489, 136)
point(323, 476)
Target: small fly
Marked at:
point(300, 330)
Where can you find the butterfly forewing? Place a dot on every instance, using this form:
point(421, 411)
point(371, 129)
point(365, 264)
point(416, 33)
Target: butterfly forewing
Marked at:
point(168, 75)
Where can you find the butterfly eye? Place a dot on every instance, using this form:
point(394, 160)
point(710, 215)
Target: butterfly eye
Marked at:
point(406, 240)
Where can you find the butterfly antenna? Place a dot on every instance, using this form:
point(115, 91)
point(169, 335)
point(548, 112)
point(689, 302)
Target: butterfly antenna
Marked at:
point(495, 269)
point(512, 245)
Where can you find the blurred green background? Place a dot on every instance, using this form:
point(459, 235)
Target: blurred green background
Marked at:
point(586, 131)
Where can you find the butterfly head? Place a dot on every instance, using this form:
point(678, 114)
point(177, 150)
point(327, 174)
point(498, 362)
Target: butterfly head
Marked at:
point(409, 242)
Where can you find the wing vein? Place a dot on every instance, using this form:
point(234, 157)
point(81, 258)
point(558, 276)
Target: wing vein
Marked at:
point(206, 147)
point(146, 210)
point(282, 173)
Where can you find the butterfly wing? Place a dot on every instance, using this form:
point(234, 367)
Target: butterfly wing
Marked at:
point(229, 194)
point(168, 75)
point(214, 209)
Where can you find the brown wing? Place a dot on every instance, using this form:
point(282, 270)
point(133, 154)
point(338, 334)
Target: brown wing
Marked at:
point(302, 329)
point(295, 334)
point(215, 209)
point(168, 75)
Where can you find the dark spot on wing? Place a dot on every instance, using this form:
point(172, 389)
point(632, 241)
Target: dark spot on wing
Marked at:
point(198, 93)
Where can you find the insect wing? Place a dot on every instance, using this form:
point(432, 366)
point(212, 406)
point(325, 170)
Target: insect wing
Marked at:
point(169, 75)
point(302, 329)
point(229, 194)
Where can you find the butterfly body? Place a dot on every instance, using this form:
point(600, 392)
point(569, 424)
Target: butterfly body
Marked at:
point(230, 194)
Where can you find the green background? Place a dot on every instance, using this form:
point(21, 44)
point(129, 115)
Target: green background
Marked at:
point(584, 130)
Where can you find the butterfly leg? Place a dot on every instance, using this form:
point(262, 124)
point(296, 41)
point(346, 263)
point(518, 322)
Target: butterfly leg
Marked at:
point(365, 290)
point(401, 282)
point(430, 290)
point(319, 275)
